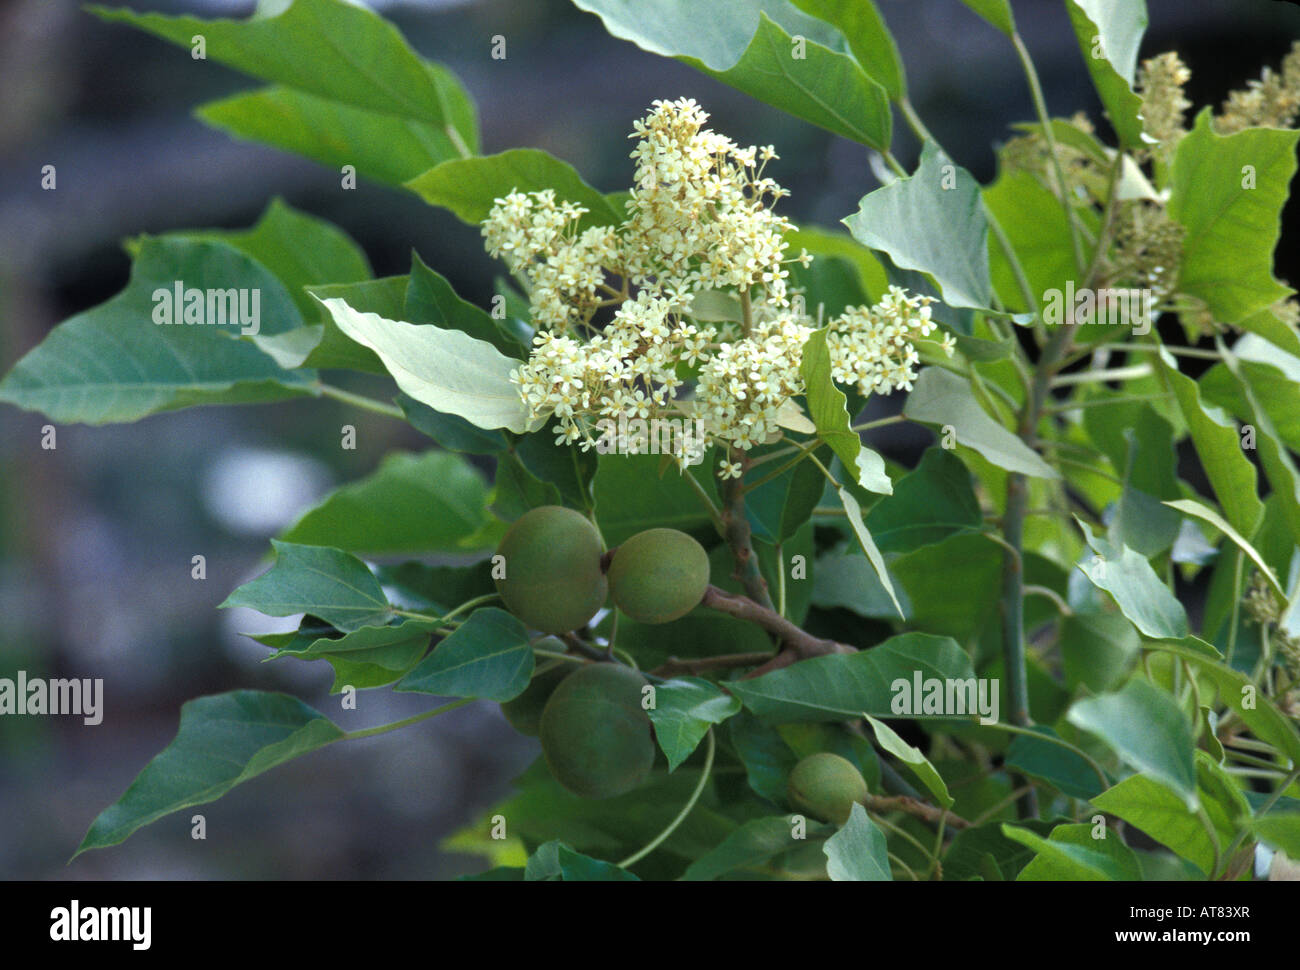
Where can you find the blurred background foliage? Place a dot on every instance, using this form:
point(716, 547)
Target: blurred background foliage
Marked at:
point(96, 536)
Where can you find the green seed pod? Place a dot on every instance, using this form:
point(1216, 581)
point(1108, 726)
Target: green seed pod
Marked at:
point(658, 575)
point(553, 581)
point(525, 712)
point(825, 786)
point(595, 735)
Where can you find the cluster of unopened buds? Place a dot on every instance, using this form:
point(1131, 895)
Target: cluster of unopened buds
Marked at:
point(683, 310)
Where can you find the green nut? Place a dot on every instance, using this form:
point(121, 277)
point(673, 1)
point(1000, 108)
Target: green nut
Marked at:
point(595, 735)
point(825, 786)
point(658, 575)
point(525, 712)
point(553, 580)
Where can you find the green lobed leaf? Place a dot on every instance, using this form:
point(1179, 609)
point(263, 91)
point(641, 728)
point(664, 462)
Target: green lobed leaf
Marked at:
point(634, 493)
point(943, 398)
point(1099, 650)
point(384, 147)
point(488, 656)
point(932, 222)
point(328, 48)
point(844, 686)
point(1058, 766)
point(1231, 474)
point(113, 363)
point(869, 39)
point(431, 502)
point(1147, 729)
point(685, 709)
point(431, 299)
point(931, 503)
point(331, 349)
point(223, 740)
point(325, 582)
point(451, 431)
point(370, 657)
point(448, 370)
point(470, 186)
point(857, 852)
point(555, 860)
point(750, 45)
point(1038, 229)
point(1071, 853)
point(1109, 34)
point(1227, 192)
point(751, 845)
point(826, 407)
point(1138, 591)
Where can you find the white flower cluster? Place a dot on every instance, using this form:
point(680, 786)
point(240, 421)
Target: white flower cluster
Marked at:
point(873, 349)
point(699, 221)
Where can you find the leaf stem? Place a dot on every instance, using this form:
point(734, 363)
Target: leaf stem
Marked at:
point(405, 722)
point(686, 809)
point(360, 401)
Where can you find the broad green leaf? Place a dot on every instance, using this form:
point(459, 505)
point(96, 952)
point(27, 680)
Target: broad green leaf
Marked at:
point(843, 686)
point(1138, 591)
point(1240, 695)
point(113, 363)
point(996, 12)
point(1071, 853)
point(751, 45)
point(1278, 464)
point(370, 657)
point(434, 589)
point(470, 186)
point(685, 708)
point(1273, 375)
point(634, 493)
point(982, 851)
point(1038, 229)
point(1141, 521)
point(424, 503)
point(384, 147)
point(854, 513)
point(570, 469)
point(224, 739)
point(322, 581)
point(299, 249)
point(1109, 34)
point(1153, 808)
point(928, 505)
point(1231, 474)
point(431, 299)
point(1058, 766)
point(556, 861)
point(777, 509)
point(332, 350)
point(1227, 192)
point(766, 755)
point(1099, 650)
point(1280, 830)
point(869, 39)
point(911, 756)
point(951, 587)
point(1146, 728)
point(943, 398)
point(932, 222)
point(488, 656)
point(1191, 507)
point(448, 370)
point(451, 431)
point(328, 48)
point(826, 407)
point(857, 852)
point(752, 845)
point(830, 244)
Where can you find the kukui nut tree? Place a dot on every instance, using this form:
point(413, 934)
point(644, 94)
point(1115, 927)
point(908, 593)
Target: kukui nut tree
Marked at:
point(751, 645)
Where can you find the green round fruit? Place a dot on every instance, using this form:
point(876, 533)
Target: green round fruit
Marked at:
point(553, 580)
point(658, 575)
point(525, 712)
point(825, 786)
point(595, 735)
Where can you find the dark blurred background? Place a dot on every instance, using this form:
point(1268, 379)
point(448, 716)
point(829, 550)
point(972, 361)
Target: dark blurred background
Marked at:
point(96, 536)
